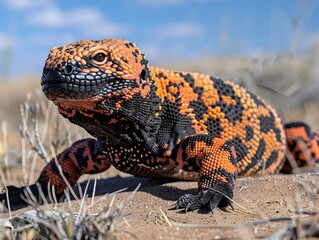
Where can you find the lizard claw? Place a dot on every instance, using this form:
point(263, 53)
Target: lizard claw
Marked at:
point(208, 198)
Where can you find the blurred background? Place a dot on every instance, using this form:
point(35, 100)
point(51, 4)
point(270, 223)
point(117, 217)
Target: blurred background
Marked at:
point(269, 46)
point(166, 30)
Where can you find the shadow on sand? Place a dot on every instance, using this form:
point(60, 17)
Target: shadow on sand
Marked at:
point(155, 187)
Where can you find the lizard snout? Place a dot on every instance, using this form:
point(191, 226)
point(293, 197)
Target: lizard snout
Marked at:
point(52, 76)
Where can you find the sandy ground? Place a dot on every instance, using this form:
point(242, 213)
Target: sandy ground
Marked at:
point(256, 198)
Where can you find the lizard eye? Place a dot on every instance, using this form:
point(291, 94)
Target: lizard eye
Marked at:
point(99, 58)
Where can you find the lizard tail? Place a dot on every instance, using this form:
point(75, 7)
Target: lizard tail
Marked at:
point(303, 147)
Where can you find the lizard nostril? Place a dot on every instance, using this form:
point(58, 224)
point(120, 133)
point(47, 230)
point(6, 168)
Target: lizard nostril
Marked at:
point(68, 69)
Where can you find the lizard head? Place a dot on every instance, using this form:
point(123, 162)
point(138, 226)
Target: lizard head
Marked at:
point(95, 71)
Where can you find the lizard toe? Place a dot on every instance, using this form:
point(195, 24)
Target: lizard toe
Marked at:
point(188, 202)
point(204, 198)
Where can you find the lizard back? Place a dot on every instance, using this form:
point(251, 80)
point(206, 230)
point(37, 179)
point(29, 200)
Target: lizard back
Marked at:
point(223, 110)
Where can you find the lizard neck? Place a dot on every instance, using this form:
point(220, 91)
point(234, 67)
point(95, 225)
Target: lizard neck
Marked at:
point(116, 121)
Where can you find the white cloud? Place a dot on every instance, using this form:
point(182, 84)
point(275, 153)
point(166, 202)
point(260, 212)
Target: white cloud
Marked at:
point(55, 18)
point(107, 29)
point(89, 21)
point(49, 39)
point(26, 4)
point(181, 30)
point(6, 42)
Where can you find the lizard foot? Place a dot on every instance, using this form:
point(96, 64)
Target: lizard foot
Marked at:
point(208, 198)
point(16, 196)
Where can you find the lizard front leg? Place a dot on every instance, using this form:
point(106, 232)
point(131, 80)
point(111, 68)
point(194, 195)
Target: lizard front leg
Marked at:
point(81, 158)
point(215, 160)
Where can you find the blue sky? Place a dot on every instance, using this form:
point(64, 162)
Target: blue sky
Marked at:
point(163, 29)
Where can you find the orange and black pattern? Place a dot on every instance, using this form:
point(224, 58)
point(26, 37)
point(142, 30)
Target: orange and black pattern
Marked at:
point(153, 122)
point(72, 163)
point(303, 146)
point(215, 161)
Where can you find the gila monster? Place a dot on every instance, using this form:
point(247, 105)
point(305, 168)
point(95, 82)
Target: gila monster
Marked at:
point(157, 123)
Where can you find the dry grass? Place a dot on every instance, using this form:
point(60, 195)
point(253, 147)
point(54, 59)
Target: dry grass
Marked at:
point(61, 222)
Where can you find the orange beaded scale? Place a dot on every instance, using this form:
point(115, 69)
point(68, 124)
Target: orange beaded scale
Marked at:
point(157, 123)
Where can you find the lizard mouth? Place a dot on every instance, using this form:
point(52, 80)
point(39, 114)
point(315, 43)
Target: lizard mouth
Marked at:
point(55, 85)
point(70, 83)
point(58, 85)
